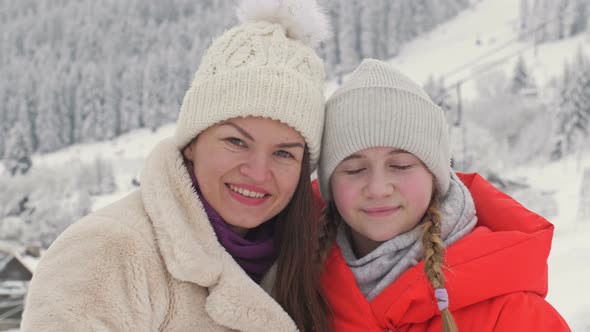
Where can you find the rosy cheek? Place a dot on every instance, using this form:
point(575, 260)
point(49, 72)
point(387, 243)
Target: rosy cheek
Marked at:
point(415, 188)
point(345, 196)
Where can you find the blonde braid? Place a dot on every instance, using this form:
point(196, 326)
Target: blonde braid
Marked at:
point(434, 249)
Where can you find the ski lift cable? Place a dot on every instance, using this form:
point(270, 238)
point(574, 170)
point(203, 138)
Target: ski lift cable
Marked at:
point(510, 42)
point(488, 67)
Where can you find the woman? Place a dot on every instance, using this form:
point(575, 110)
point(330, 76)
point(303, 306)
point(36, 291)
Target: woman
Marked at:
point(221, 202)
point(410, 253)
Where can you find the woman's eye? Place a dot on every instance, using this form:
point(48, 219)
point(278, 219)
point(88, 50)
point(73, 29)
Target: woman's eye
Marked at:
point(354, 171)
point(284, 154)
point(235, 141)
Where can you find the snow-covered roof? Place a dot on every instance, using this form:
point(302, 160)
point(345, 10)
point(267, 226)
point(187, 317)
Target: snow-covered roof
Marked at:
point(9, 251)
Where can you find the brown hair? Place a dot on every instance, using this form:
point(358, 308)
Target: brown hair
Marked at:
point(297, 285)
point(329, 222)
point(433, 245)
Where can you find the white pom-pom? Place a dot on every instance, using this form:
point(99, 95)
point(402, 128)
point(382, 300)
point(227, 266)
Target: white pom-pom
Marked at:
point(303, 19)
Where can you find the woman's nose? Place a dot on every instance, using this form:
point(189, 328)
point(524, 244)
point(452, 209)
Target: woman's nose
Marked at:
point(257, 167)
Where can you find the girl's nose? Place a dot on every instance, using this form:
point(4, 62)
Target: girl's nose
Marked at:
point(379, 185)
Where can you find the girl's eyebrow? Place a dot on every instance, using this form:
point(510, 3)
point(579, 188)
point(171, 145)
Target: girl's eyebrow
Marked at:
point(352, 156)
point(360, 156)
point(398, 151)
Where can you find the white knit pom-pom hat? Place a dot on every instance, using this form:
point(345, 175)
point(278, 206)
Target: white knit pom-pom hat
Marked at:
point(264, 67)
point(380, 107)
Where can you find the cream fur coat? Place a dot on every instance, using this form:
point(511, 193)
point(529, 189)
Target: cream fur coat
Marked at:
point(149, 262)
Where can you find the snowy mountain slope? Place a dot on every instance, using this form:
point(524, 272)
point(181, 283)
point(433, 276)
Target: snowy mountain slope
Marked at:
point(126, 154)
point(568, 262)
point(485, 28)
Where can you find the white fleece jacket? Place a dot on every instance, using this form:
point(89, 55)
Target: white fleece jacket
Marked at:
point(149, 262)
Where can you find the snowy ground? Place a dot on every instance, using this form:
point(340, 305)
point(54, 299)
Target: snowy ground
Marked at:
point(569, 270)
point(126, 154)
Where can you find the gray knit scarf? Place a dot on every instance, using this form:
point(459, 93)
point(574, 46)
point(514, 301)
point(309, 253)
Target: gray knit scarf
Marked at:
point(381, 267)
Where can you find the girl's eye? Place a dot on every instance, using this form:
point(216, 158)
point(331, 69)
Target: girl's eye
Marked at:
point(354, 171)
point(401, 167)
point(284, 154)
point(235, 141)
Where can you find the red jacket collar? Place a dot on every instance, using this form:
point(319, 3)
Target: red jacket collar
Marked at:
point(507, 252)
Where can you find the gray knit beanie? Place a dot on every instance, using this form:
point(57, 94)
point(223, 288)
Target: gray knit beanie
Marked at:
point(380, 107)
point(265, 66)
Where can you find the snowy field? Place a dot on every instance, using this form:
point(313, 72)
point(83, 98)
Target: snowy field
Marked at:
point(569, 268)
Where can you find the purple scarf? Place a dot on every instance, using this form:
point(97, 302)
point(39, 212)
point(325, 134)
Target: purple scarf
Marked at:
point(255, 253)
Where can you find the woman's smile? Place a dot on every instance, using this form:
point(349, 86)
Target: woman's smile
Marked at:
point(247, 194)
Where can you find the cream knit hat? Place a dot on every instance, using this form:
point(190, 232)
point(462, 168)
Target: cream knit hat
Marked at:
point(379, 107)
point(264, 67)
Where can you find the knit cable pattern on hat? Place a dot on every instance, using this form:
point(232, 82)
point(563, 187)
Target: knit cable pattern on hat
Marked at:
point(255, 69)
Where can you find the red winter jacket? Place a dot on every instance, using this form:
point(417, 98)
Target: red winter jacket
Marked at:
point(496, 278)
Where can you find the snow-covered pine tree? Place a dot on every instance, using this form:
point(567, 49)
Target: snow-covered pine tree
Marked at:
point(131, 97)
point(28, 99)
point(539, 18)
point(559, 27)
point(155, 93)
point(66, 92)
point(392, 37)
point(380, 28)
point(368, 38)
point(422, 16)
point(107, 177)
point(557, 19)
point(521, 77)
point(10, 109)
point(102, 178)
point(437, 91)
point(574, 105)
point(581, 15)
point(90, 102)
point(329, 50)
point(111, 119)
point(563, 85)
point(348, 36)
point(18, 150)
point(49, 120)
point(373, 28)
point(4, 125)
point(524, 16)
point(404, 21)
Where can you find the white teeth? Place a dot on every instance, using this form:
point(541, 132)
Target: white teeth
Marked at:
point(246, 192)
